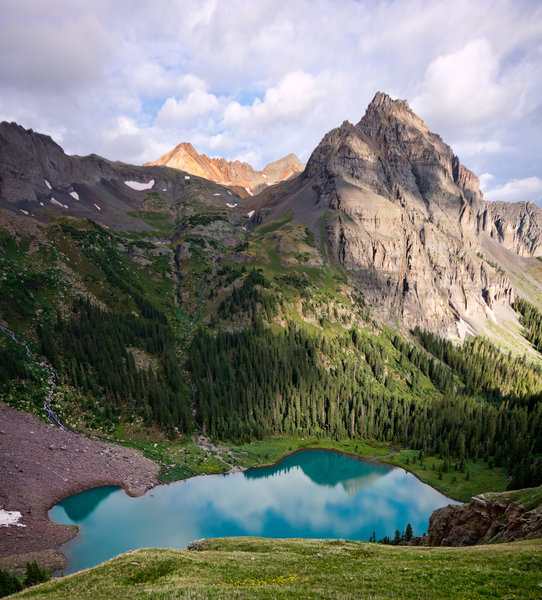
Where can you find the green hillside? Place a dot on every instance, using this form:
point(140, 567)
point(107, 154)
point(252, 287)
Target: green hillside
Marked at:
point(248, 334)
point(258, 568)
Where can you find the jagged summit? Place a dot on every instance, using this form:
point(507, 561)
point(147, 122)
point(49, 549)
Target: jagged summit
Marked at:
point(382, 100)
point(389, 201)
point(236, 174)
point(384, 108)
point(408, 222)
point(392, 152)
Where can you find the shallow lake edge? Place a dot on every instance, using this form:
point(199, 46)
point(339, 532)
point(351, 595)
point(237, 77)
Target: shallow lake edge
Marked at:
point(371, 460)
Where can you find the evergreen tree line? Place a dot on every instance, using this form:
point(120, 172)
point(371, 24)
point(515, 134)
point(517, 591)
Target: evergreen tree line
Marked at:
point(476, 367)
point(91, 349)
point(257, 382)
point(531, 319)
point(249, 299)
point(400, 537)
point(12, 363)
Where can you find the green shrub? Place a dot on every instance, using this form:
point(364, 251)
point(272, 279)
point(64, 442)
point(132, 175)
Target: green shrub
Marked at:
point(34, 574)
point(9, 584)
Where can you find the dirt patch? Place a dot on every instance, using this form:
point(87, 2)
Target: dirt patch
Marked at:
point(40, 465)
point(222, 454)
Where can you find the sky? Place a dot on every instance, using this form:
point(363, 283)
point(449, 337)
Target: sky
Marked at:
point(257, 79)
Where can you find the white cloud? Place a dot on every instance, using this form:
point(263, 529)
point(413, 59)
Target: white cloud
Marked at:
point(485, 180)
point(474, 147)
point(53, 49)
point(196, 104)
point(261, 79)
point(517, 190)
point(288, 102)
point(463, 88)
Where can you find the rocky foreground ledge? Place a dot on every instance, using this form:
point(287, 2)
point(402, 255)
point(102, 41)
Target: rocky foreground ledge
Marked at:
point(486, 519)
point(40, 465)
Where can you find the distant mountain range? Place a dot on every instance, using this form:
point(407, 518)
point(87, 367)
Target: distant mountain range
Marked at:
point(239, 176)
point(386, 200)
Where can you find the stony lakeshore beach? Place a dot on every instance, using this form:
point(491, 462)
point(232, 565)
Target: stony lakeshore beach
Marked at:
point(40, 464)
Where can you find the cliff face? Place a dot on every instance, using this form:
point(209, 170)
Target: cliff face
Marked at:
point(515, 225)
point(407, 220)
point(481, 521)
point(236, 174)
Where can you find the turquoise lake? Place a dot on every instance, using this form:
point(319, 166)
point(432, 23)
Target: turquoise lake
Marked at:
point(310, 494)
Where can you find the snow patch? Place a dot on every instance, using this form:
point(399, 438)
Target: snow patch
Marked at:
point(57, 203)
point(249, 192)
point(138, 186)
point(230, 193)
point(217, 194)
point(264, 175)
point(249, 215)
point(25, 212)
point(230, 205)
point(97, 207)
point(48, 184)
point(187, 176)
point(164, 189)
point(74, 195)
point(41, 204)
point(10, 517)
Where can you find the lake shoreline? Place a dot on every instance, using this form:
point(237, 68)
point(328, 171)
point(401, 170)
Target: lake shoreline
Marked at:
point(372, 459)
point(312, 494)
point(43, 465)
point(40, 466)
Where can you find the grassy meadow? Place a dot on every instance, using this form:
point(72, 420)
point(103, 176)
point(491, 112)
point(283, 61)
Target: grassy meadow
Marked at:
point(252, 568)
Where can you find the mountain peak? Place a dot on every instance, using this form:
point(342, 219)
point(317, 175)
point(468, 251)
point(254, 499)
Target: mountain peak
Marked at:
point(383, 108)
point(401, 209)
point(187, 147)
point(382, 100)
point(239, 175)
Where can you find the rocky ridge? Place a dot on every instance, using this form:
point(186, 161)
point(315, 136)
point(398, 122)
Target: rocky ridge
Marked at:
point(240, 176)
point(386, 198)
point(38, 179)
point(408, 222)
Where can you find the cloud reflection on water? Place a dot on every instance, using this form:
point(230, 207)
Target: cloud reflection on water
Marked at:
point(310, 494)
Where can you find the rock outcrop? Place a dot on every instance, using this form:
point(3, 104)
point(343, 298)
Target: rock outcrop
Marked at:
point(407, 221)
point(515, 225)
point(238, 175)
point(481, 521)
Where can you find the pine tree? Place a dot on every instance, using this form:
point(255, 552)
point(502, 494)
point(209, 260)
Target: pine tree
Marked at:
point(9, 584)
point(34, 574)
